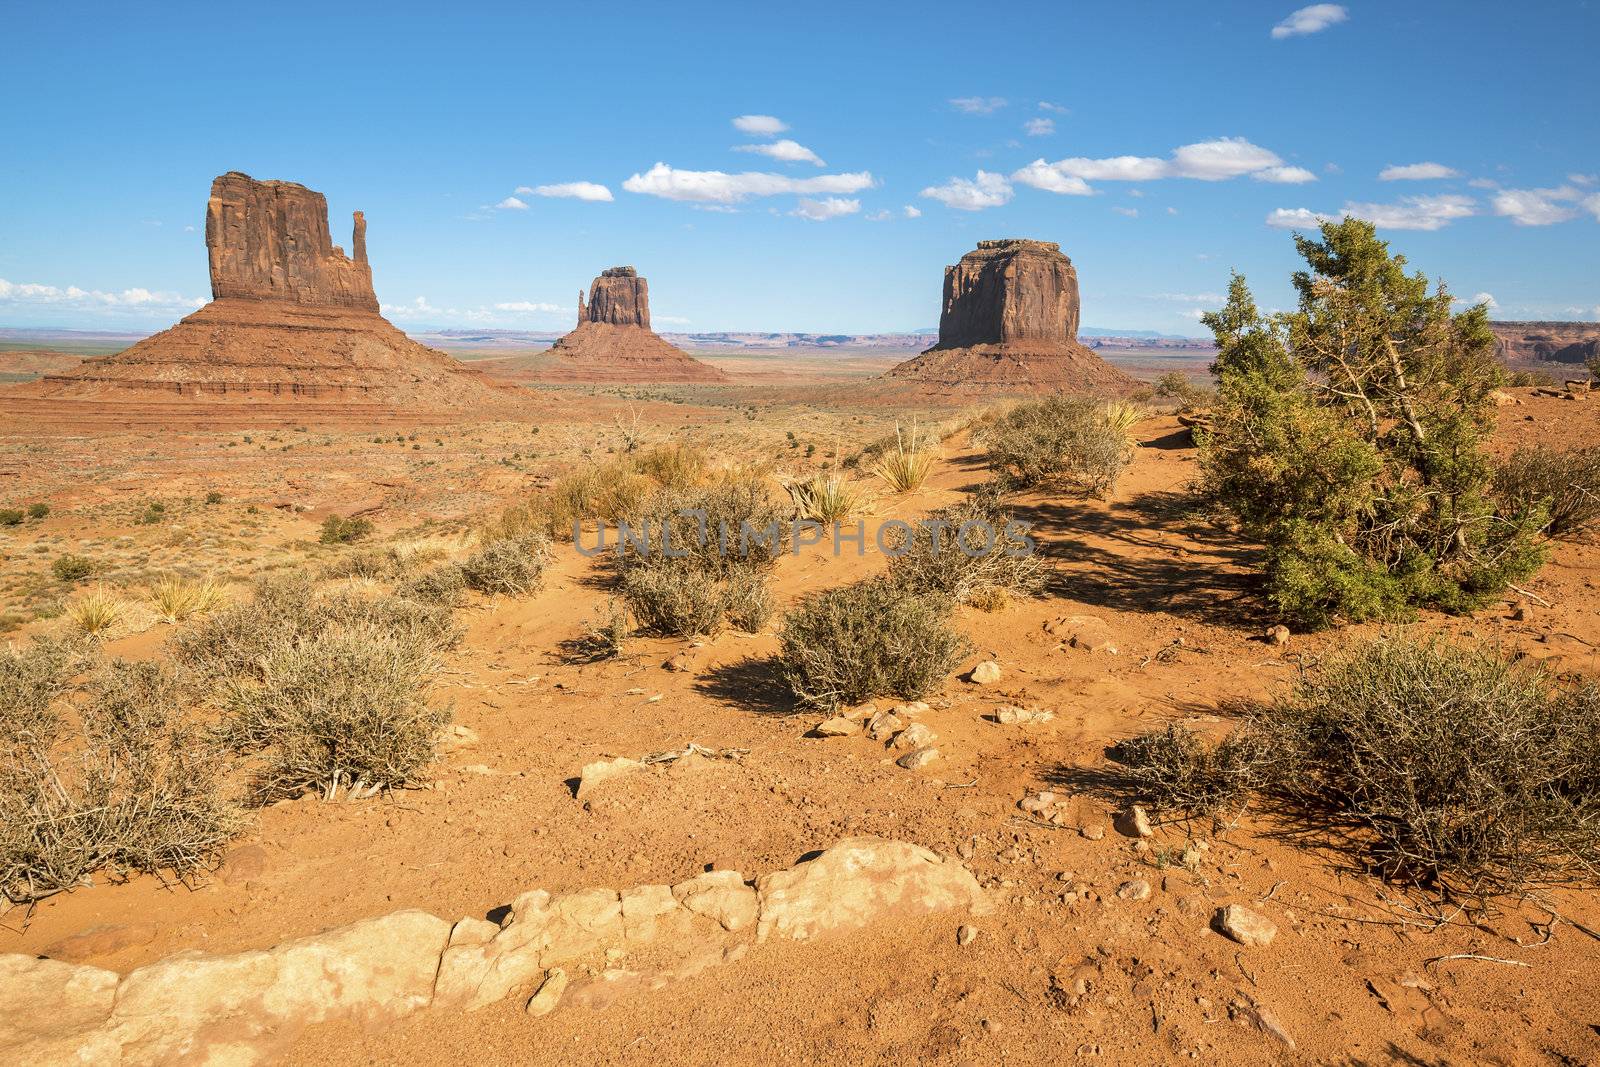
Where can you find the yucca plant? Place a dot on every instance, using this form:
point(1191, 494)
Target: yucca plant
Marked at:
point(1122, 416)
point(96, 611)
point(908, 464)
point(176, 598)
point(825, 498)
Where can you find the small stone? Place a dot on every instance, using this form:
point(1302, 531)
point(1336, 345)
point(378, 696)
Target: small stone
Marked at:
point(884, 725)
point(1093, 833)
point(1137, 889)
point(911, 710)
point(456, 737)
point(603, 770)
point(1135, 823)
point(920, 758)
point(1277, 635)
point(1021, 716)
point(966, 935)
point(861, 711)
point(544, 1001)
point(1245, 926)
point(917, 735)
point(681, 662)
point(985, 673)
point(838, 726)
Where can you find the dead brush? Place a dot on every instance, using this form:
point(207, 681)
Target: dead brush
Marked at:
point(1565, 484)
point(176, 598)
point(972, 552)
point(1174, 768)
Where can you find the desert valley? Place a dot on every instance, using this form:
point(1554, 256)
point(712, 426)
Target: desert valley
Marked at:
point(535, 683)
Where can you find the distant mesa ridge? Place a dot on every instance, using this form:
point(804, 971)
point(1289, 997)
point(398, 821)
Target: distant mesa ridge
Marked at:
point(1009, 323)
point(1550, 342)
point(292, 318)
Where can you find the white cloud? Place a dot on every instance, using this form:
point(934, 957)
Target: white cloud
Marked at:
point(913, 212)
point(719, 187)
point(1416, 172)
point(1046, 176)
point(530, 306)
point(593, 191)
point(827, 208)
point(1408, 213)
point(879, 216)
point(1311, 19)
point(1583, 179)
point(513, 204)
point(1484, 183)
point(1538, 207)
point(74, 298)
point(1284, 175)
point(1486, 298)
point(978, 105)
point(1215, 160)
point(1172, 211)
point(1130, 212)
point(1591, 204)
point(986, 190)
point(786, 150)
point(1045, 105)
point(760, 125)
point(1039, 127)
point(1297, 218)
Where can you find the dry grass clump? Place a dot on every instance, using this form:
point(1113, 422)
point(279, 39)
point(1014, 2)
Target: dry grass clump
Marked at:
point(344, 711)
point(96, 611)
point(176, 598)
point(721, 557)
point(138, 788)
point(233, 639)
point(1452, 768)
point(869, 639)
point(338, 530)
point(973, 552)
point(1062, 441)
point(906, 465)
point(386, 564)
point(825, 498)
point(607, 492)
point(1565, 484)
point(510, 566)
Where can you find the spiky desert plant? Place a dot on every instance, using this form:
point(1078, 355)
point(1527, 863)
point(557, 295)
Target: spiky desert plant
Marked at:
point(96, 611)
point(825, 498)
point(176, 598)
point(907, 465)
point(1122, 416)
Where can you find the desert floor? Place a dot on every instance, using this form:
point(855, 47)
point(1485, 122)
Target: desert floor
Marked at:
point(1356, 975)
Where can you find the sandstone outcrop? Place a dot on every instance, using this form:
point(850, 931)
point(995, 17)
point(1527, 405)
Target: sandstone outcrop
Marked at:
point(613, 342)
point(585, 947)
point(293, 319)
point(1009, 323)
point(1546, 342)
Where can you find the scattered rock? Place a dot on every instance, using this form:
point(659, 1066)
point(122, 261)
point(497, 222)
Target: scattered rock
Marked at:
point(1263, 1020)
point(1245, 926)
point(1046, 806)
point(985, 673)
point(917, 735)
point(919, 758)
point(838, 726)
point(602, 771)
point(720, 896)
point(966, 935)
point(455, 737)
point(549, 995)
point(47, 1000)
point(862, 711)
point(1021, 716)
point(1093, 832)
point(884, 725)
point(1134, 823)
point(911, 710)
point(1137, 889)
point(1277, 635)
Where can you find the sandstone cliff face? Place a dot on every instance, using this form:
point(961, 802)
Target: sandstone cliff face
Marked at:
point(270, 241)
point(1010, 292)
point(1552, 342)
point(1009, 325)
point(618, 297)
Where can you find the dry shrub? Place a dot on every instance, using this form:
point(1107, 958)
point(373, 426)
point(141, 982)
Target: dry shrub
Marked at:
point(715, 575)
point(233, 640)
point(992, 560)
point(338, 530)
point(907, 464)
point(509, 566)
point(673, 466)
point(825, 498)
point(869, 639)
point(176, 598)
point(139, 789)
point(1060, 441)
point(444, 585)
point(1565, 484)
point(97, 611)
point(604, 638)
point(1175, 768)
point(343, 711)
point(387, 564)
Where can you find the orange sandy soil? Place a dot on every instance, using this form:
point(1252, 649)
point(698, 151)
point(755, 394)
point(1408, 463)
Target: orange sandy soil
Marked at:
point(1348, 976)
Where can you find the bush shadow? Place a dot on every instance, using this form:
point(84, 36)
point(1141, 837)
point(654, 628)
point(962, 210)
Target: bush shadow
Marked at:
point(752, 683)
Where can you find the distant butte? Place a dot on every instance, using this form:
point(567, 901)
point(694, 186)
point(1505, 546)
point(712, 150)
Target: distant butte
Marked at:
point(292, 319)
point(613, 341)
point(1010, 324)
point(1552, 342)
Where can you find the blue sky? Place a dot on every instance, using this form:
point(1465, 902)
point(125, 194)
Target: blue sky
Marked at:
point(1161, 143)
